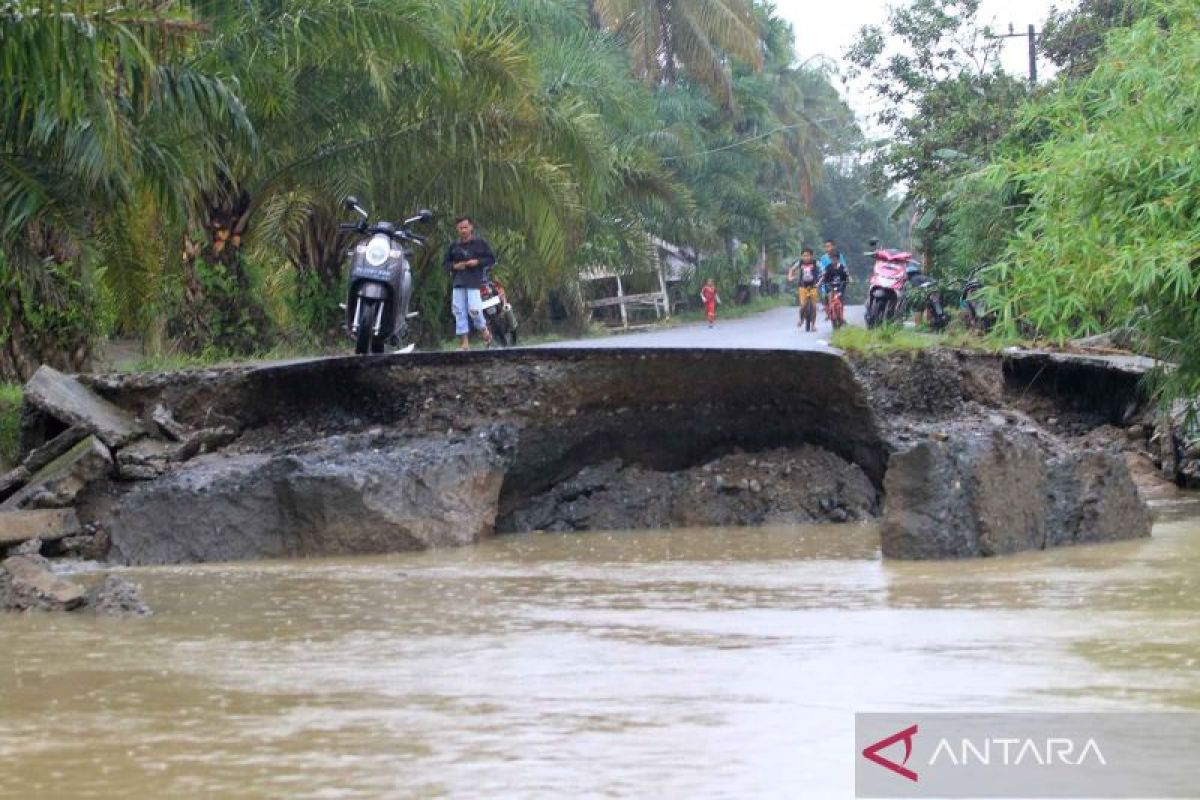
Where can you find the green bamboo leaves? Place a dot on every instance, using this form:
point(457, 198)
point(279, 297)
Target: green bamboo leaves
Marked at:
point(1111, 234)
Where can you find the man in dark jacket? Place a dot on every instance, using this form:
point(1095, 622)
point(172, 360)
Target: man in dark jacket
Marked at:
point(466, 261)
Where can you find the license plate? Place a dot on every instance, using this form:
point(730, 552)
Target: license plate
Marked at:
point(495, 301)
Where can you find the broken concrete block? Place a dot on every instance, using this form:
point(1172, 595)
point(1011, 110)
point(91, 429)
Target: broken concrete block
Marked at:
point(45, 524)
point(56, 484)
point(165, 421)
point(117, 597)
point(145, 459)
point(69, 401)
point(27, 583)
point(13, 480)
point(54, 448)
point(204, 440)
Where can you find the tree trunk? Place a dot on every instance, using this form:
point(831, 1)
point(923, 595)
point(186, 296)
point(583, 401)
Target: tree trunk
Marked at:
point(220, 308)
point(666, 42)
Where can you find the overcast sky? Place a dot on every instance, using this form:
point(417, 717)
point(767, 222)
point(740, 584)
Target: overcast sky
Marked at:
point(828, 27)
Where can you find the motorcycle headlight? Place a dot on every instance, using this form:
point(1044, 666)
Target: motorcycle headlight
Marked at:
point(378, 250)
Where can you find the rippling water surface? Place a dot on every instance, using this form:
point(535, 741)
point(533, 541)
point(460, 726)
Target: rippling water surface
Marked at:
point(702, 663)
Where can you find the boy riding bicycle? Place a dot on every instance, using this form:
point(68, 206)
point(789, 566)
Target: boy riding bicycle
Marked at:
point(807, 275)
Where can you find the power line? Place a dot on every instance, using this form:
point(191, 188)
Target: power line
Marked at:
point(747, 140)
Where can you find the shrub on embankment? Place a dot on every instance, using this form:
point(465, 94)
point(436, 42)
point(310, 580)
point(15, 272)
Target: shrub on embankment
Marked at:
point(1110, 170)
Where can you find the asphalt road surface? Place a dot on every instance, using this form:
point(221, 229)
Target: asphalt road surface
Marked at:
point(771, 330)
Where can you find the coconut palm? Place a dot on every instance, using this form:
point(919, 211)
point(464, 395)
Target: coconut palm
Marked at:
point(98, 107)
point(306, 70)
point(695, 35)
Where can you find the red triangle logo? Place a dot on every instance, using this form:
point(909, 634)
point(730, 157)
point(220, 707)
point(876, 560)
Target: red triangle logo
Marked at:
point(871, 753)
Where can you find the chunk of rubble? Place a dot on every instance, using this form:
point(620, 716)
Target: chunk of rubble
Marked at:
point(165, 421)
point(991, 492)
point(205, 440)
point(117, 597)
point(26, 583)
point(57, 484)
point(13, 480)
point(145, 459)
point(48, 525)
point(69, 401)
point(41, 456)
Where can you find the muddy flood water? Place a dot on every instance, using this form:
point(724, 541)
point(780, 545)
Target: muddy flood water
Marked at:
point(701, 663)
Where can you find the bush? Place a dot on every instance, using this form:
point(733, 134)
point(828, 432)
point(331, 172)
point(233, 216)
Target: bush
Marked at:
point(1111, 236)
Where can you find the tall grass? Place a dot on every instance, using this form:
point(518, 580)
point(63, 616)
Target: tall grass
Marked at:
point(896, 339)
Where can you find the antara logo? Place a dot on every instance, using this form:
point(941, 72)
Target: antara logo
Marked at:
point(1006, 752)
point(871, 753)
point(1016, 751)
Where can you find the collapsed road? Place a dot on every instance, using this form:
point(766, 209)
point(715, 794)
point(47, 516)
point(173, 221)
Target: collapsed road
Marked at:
point(960, 454)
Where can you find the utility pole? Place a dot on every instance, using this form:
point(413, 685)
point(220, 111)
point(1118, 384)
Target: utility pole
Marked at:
point(1032, 34)
point(1032, 58)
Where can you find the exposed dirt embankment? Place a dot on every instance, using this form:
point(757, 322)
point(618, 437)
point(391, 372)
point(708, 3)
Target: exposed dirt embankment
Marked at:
point(368, 455)
point(358, 455)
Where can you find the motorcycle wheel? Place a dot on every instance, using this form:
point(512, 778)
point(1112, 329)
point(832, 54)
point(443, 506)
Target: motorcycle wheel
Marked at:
point(366, 321)
point(499, 331)
point(874, 312)
point(504, 329)
point(892, 312)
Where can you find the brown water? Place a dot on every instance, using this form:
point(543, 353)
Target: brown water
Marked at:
point(691, 664)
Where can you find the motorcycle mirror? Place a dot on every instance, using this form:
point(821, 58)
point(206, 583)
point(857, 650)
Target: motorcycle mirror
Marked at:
point(351, 204)
point(425, 215)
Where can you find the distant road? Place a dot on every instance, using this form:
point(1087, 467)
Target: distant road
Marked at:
point(771, 330)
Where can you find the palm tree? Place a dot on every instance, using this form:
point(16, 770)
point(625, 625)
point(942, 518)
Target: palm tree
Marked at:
point(697, 35)
point(97, 108)
point(308, 71)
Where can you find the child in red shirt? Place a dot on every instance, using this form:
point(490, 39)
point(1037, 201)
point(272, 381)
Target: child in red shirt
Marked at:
point(710, 297)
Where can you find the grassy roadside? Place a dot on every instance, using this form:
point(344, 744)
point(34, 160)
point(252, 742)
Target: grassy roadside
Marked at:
point(179, 361)
point(896, 339)
point(10, 424)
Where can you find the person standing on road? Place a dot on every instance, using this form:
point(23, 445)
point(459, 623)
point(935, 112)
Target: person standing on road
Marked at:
point(466, 260)
point(710, 297)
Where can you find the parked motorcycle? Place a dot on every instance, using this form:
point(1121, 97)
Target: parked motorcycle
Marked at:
point(380, 284)
point(497, 311)
point(927, 296)
point(889, 276)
